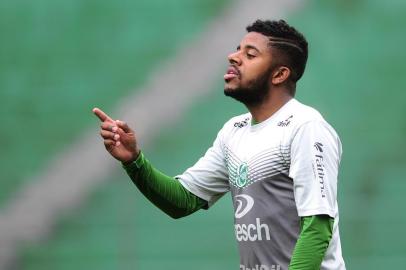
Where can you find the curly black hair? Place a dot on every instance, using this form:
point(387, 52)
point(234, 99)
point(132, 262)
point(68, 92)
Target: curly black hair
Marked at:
point(291, 44)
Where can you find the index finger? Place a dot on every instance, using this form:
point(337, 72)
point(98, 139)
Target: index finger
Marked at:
point(102, 115)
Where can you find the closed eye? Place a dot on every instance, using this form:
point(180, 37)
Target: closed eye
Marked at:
point(250, 56)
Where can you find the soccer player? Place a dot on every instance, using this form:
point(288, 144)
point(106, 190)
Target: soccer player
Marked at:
point(280, 161)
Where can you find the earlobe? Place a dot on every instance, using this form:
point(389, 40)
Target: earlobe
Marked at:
point(280, 75)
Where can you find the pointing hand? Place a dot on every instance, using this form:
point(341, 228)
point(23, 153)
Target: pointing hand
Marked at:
point(119, 139)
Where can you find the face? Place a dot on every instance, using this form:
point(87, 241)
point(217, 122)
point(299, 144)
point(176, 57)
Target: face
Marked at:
point(248, 76)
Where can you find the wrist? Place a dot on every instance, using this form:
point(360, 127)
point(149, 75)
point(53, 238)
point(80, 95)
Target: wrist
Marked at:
point(137, 159)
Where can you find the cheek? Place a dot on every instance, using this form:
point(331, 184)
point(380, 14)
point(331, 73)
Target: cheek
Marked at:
point(255, 72)
point(258, 66)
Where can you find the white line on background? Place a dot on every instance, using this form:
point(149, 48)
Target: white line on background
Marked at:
point(172, 88)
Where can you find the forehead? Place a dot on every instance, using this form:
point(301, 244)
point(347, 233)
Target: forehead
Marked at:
point(256, 40)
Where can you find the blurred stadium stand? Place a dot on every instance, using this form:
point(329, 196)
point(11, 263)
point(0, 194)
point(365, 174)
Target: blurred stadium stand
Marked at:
point(59, 59)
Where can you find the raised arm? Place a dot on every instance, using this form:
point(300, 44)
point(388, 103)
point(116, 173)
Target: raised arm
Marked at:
point(163, 191)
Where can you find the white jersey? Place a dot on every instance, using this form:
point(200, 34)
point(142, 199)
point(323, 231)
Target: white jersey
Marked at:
point(279, 170)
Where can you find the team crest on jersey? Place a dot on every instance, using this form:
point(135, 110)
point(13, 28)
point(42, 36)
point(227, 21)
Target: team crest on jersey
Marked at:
point(242, 175)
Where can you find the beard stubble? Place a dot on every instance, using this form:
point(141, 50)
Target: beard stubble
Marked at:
point(255, 91)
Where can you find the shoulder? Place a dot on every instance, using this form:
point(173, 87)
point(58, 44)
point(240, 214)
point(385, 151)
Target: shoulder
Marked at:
point(299, 116)
point(310, 122)
point(303, 113)
point(236, 122)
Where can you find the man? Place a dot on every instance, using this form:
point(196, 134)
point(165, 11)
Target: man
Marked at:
point(280, 161)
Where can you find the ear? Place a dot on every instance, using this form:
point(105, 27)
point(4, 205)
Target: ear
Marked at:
point(280, 75)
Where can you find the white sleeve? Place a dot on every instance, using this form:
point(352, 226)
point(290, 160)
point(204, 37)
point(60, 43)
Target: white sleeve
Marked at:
point(208, 178)
point(315, 159)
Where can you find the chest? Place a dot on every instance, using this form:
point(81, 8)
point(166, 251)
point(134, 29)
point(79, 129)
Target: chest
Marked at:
point(254, 156)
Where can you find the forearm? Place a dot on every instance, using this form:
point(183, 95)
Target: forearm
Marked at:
point(313, 241)
point(163, 191)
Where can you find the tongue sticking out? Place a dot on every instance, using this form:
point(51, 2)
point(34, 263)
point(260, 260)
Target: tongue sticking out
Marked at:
point(232, 73)
point(229, 76)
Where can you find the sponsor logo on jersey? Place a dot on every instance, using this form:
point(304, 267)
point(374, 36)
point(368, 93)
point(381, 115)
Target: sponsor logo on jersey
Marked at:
point(242, 123)
point(242, 175)
point(285, 122)
point(261, 267)
point(252, 232)
point(248, 232)
point(318, 167)
point(318, 146)
point(244, 204)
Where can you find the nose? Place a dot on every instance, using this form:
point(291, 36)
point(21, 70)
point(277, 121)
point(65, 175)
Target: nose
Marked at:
point(233, 58)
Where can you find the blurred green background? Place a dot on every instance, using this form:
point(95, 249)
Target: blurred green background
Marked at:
point(59, 59)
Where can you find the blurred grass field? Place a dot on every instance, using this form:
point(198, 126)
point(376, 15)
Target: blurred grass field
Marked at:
point(354, 77)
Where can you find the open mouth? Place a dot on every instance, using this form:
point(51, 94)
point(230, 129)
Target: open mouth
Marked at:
point(232, 73)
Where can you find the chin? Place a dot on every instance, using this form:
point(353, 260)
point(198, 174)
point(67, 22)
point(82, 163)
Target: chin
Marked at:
point(228, 90)
point(228, 86)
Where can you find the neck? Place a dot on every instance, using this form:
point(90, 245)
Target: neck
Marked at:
point(270, 105)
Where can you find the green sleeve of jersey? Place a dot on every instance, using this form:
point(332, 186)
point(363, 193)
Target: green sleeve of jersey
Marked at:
point(163, 191)
point(313, 241)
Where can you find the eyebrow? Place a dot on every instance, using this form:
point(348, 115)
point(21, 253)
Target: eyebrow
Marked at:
point(249, 47)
